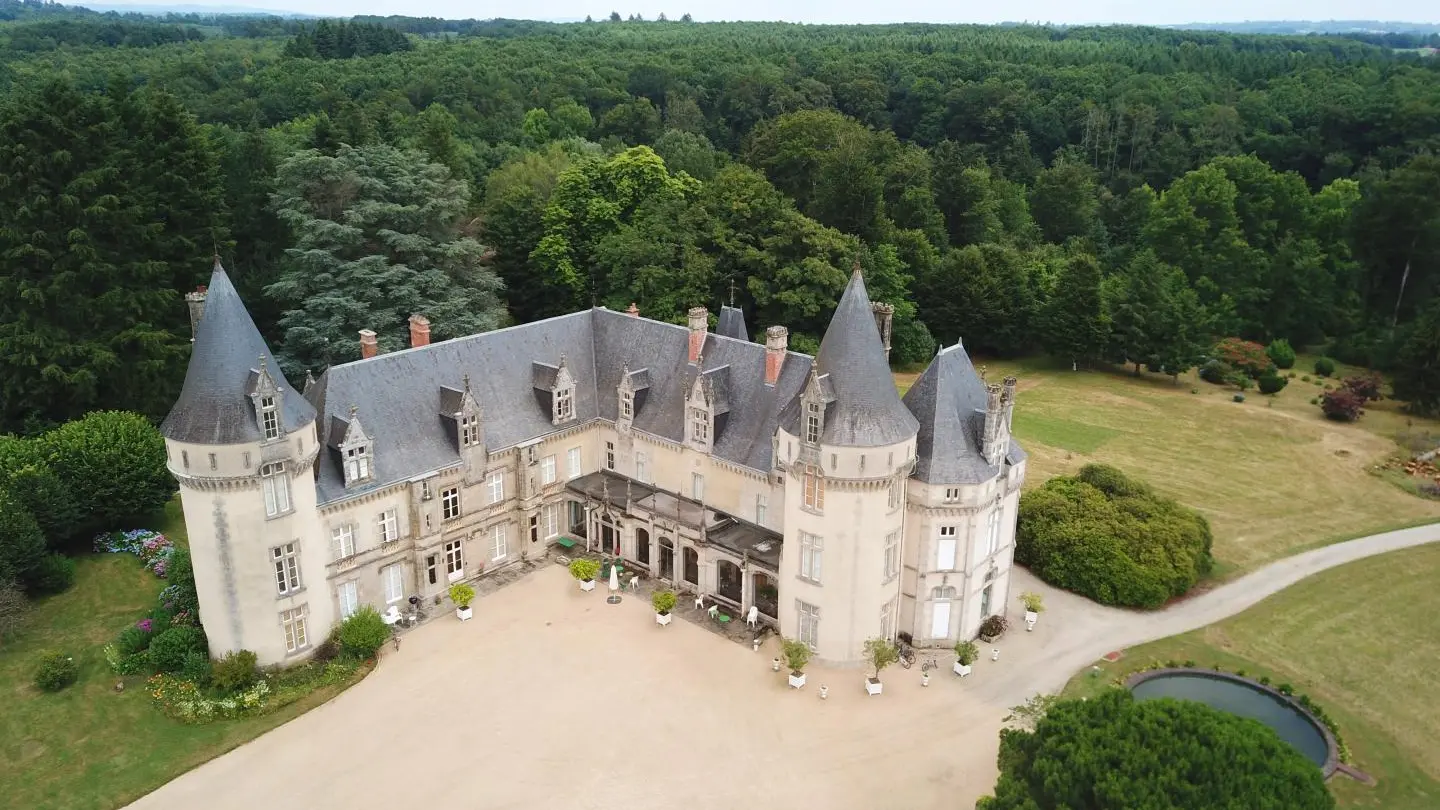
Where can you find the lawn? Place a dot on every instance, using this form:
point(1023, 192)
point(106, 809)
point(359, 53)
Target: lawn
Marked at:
point(1359, 639)
point(1271, 474)
point(89, 746)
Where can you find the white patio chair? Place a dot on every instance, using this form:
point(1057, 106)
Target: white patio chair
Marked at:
point(391, 615)
point(753, 617)
point(699, 601)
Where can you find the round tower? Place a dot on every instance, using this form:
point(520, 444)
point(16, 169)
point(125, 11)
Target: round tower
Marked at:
point(241, 442)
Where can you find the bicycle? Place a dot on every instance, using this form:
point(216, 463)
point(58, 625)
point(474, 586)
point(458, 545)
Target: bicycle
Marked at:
point(906, 654)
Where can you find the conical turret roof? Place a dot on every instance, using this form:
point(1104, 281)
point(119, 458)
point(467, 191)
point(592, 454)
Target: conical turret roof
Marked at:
point(949, 401)
point(228, 361)
point(867, 411)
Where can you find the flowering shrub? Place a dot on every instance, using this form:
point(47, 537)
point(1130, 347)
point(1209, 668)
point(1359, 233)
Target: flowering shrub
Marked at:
point(182, 700)
point(1243, 355)
point(153, 548)
point(122, 663)
point(146, 625)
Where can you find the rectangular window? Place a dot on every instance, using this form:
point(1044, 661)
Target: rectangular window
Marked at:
point(572, 462)
point(887, 622)
point(992, 541)
point(809, 623)
point(697, 486)
point(945, 549)
point(454, 560)
point(627, 405)
point(550, 520)
point(276, 486)
point(287, 568)
point(432, 569)
point(357, 464)
point(760, 504)
point(547, 470)
point(212, 461)
point(185, 458)
point(269, 418)
point(952, 494)
point(811, 548)
point(642, 467)
point(342, 541)
point(497, 487)
point(450, 503)
point(499, 543)
point(700, 424)
point(349, 594)
point(426, 493)
point(469, 430)
point(814, 489)
point(609, 455)
point(564, 404)
point(895, 489)
point(393, 578)
point(812, 423)
point(293, 622)
point(534, 528)
point(892, 555)
point(388, 527)
point(246, 457)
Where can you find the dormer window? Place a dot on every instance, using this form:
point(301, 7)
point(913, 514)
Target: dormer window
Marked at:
point(357, 464)
point(349, 438)
point(700, 424)
point(269, 418)
point(564, 404)
point(812, 423)
point(469, 430)
point(627, 405)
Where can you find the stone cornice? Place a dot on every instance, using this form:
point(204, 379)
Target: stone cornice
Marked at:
point(236, 483)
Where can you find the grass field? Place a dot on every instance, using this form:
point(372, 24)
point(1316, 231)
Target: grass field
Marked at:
point(1272, 475)
point(89, 746)
point(1359, 639)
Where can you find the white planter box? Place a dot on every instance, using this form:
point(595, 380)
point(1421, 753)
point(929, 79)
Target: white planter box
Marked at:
point(587, 584)
point(873, 687)
point(1030, 618)
point(464, 613)
point(797, 681)
point(962, 669)
point(662, 618)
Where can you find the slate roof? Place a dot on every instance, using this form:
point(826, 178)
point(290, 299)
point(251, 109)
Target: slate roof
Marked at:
point(732, 324)
point(867, 411)
point(214, 405)
point(949, 402)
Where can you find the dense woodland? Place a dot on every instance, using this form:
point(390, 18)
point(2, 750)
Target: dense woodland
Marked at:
point(1106, 195)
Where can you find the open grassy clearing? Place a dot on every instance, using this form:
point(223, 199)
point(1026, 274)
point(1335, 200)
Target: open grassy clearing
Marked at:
point(1359, 639)
point(88, 746)
point(1272, 475)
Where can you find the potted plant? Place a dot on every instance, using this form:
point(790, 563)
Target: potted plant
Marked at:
point(880, 653)
point(1034, 606)
point(797, 655)
point(965, 654)
point(663, 602)
point(585, 570)
point(462, 595)
point(993, 627)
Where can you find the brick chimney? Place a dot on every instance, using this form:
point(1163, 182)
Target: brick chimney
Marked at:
point(419, 331)
point(368, 347)
point(699, 328)
point(632, 310)
point(777, 342)
point(196, 302)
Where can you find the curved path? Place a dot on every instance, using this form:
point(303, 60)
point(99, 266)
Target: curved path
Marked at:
point(1075, 632)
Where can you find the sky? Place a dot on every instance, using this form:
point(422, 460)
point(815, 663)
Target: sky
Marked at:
point(1146, 12)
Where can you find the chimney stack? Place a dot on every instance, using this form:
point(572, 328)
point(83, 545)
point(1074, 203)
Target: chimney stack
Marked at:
point(777, 342)
point(196, 302)
point(368, 347)
point(699, 328)
point(419, 331)
point(633, 311)
point(883, 315)
point(990, 443)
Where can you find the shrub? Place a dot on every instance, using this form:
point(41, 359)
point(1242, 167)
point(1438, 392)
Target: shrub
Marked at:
point(881, 653)
point(1366, 386)
point(234, 672)
point(1272, 383)
point(1324, 366)
point(796, 653)
point(1280, 353)
point(584, 569)
point(181, 590)
point(1314, 400)
point(170, 647)
point(663, 601)
point(363, 632)
point(133, 639)
point(1305, 378)
point(112, 461)
point(1342, 405)
point(55, 672)
point(1118, 545)
point(22, 544)
point(1243, 356)
point(1033, 602)
point(1217, 372)
point(994, 626)
point(328, 650)
point(196, 668)
point(462, 595)
point(54, 574)
point(13, 608)
point(26, 473)
point(966, 652)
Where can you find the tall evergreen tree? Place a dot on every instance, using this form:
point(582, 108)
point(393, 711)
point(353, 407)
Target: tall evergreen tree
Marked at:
point(1073, 323)
point(1417, 367)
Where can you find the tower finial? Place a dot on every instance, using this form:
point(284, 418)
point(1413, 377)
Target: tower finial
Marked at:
point(354, 409)
point(466, 379)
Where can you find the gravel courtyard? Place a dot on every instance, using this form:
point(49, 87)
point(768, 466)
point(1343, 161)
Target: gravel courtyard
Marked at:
point(552, 698)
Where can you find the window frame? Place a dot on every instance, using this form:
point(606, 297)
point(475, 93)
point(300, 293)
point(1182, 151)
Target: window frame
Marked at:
point(813, 494)
point(469, 430)
point(642, 467)
point(812, 423)
point(609, 455)
point(293, 624)
point(269, 417)
point(285, 561)
point(387, 526)
point(992, 538)
point(547, 470)
point(812, 557)
point(700, 424)
point(564, 404)
point(352, 588)
point(450, 503)
point(357, 463)
point(454, 552)
point(342, 541)
point(697, 486)
point(549, 520)
point(495, 486)
point(275, 485)
point(499, 542)
point(808, 625)
point(947, 537)
point(396, 578)
point(574, 463)
point(892, 555)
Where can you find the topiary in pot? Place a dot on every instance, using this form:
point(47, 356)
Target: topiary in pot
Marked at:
point(585, 570)
point(966, 652)
point(663, 602)
point(881, 653)
point(797, 655)
point(462, 595)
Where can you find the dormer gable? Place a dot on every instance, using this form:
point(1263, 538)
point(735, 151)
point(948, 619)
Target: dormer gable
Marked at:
point(267, 397)
point(357, 460)
point(817, 395)
point(461, 408)
point(630, 395)
point(699, 420)
point(555, 387)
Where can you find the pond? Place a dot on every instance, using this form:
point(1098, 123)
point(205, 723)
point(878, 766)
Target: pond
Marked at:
point(1244, 698)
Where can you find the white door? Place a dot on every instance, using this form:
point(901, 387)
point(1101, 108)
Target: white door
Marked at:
point(940, 620)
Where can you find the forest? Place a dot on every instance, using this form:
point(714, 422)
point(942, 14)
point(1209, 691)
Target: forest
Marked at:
point(1105, 195)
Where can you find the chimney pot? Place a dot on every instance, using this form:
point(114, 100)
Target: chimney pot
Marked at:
point(196, 303)
point(777, 343)
point(419, 331)
point(368, 347)
point(633, 311)
point(699, 328)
